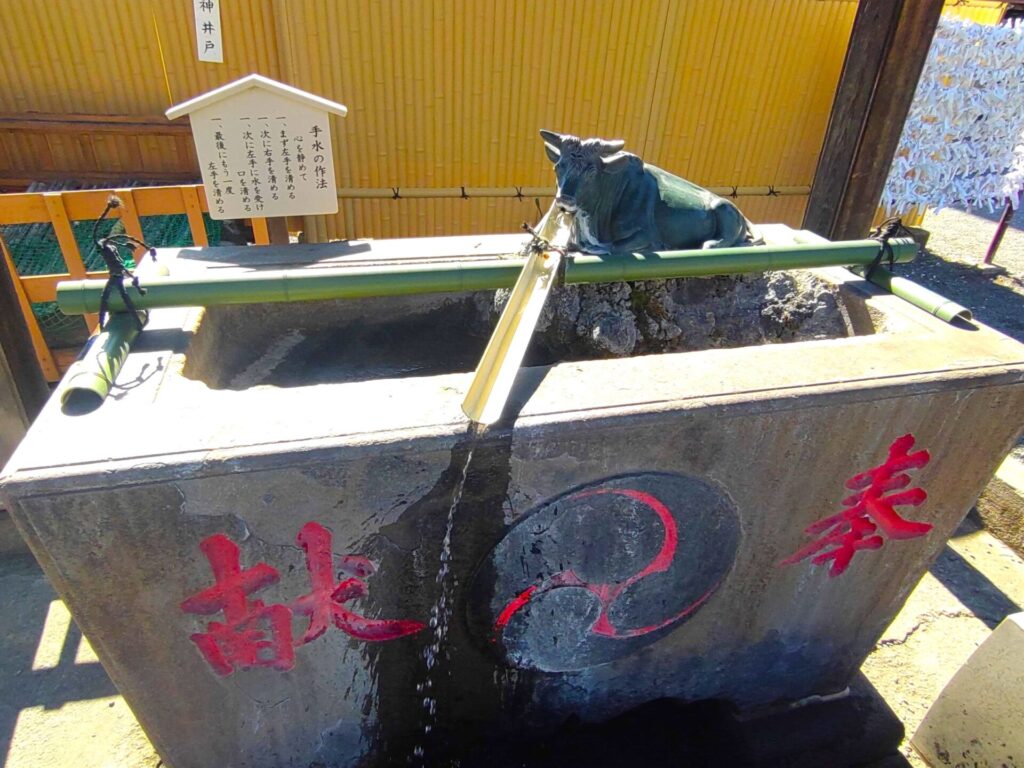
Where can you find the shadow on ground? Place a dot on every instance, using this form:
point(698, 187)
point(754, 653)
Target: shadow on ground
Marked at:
point(995, 301)
point(969, 585)
point(37, 657)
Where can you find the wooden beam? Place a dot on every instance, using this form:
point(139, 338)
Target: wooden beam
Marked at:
point(157, 201)
point(45, 122)
point(887, 50)
point(22, 340)
point(23, 208)
point(30, 207)
point(12, 179)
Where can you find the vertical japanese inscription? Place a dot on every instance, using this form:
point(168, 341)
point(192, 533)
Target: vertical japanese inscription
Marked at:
point(209, 40)
point(265, 155)
point(272, 165)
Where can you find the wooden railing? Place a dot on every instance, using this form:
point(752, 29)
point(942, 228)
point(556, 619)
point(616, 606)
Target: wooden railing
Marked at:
point(61, 208)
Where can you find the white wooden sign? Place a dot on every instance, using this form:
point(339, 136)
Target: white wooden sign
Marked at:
point(264, 149)
point(209, 41)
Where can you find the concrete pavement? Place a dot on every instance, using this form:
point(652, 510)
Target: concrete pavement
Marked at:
point(58, 708)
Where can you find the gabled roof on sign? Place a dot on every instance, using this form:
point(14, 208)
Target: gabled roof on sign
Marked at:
point(255, 81)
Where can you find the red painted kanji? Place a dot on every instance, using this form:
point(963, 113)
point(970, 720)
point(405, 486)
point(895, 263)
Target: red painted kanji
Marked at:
point(253, 634)
point(258, 635)
point(325, 602)
point(869, 512)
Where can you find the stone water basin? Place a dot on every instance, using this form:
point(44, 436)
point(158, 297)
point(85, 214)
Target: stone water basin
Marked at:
point(631, 532)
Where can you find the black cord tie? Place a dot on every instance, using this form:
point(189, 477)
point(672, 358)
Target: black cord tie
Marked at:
point(464, 195)
point(395, 195)
point(883, 233)
point(109, 248)
point(117, 272)
point(519, 193)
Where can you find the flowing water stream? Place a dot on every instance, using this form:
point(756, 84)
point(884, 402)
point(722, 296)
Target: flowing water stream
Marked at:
point(441, 612)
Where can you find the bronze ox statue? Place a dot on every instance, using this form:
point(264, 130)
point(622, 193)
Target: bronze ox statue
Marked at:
point(620, 203)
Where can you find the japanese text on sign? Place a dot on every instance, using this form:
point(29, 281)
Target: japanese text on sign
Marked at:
point(264, 149)
point(266, 165)
point(209, 45)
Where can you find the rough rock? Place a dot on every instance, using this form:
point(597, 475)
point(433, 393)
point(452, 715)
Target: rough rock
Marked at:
point(623, 319)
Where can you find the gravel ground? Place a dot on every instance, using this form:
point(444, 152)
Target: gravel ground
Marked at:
point(957, 244)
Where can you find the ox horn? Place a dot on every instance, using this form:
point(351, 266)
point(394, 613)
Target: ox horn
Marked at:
point(552, 144)
point(611, 147)
point(552, 138)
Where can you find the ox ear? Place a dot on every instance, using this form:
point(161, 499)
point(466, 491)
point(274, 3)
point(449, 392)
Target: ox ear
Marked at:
point(552, 144)
point(615, 163)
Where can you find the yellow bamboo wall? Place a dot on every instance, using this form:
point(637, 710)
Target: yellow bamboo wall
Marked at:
point(449, 93)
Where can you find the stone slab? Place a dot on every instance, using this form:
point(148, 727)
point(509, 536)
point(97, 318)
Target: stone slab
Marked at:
point(977, 718)
point(1001, 504)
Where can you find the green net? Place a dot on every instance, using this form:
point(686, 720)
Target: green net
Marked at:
point(35, 251)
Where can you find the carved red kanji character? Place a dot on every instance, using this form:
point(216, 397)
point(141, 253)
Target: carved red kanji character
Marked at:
point(325, 602)
point(870, 509)
point(253, 634)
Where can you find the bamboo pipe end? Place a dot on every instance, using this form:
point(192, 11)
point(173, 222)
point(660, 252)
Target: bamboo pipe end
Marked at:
point(84, 392)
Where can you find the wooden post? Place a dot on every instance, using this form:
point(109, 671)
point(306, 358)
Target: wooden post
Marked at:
point(66, 239)
point(129, 213)
point(887, 50)
point(277, 229)
point(260, 231)
point(194, 211)
point(18, 342)
point(997, 238)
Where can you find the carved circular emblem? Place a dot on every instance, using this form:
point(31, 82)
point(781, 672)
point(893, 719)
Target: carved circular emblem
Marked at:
point(604, 569)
